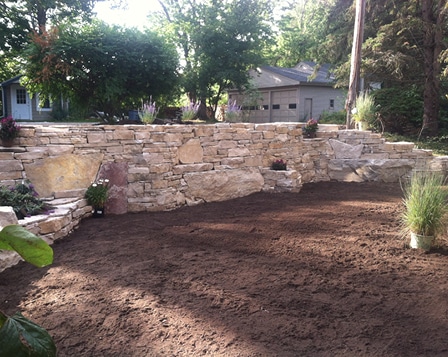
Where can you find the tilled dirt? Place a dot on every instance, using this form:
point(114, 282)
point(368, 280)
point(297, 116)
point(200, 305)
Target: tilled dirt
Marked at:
point(322, 272)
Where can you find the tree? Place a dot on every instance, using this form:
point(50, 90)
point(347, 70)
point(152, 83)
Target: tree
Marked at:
point(108, 68)
point(219, 41)
point(20, 18)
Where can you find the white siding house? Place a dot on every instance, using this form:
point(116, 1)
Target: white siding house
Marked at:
point(291, 94)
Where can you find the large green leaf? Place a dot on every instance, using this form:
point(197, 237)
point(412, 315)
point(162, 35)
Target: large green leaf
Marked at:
point(29, 246)
point(21, 337)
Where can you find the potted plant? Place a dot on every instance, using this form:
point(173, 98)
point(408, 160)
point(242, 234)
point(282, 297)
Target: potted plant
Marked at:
point(278, 165)
point(425, 212)
point(9, 130)
point(96, 195)
point(364, 111)
point(310, 128)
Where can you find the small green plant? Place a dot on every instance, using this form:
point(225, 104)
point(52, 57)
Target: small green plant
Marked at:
point(9, 129)
point(149, 112)
point(18, 335)
point(190, 111)
point(97, 193)
point(425, 204)
point(278, 165)
point(24, 200)
point(364, 110)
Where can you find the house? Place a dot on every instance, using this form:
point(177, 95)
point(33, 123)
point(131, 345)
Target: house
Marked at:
point(291, 94)
point(18, 103)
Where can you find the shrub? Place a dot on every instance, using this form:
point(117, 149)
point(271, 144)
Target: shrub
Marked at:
point(24, 200)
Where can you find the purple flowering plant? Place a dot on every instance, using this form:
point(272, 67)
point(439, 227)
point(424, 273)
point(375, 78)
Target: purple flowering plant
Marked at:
point(190, 111)
point(233, 112)
point(149, 111)
point(9, 129)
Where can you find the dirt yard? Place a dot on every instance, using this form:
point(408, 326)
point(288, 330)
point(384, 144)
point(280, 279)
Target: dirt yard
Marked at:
point(318, 273)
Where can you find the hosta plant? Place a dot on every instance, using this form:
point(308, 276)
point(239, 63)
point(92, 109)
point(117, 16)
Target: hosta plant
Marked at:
point(18, 335)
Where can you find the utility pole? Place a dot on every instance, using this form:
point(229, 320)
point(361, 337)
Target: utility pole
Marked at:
point(355, 64)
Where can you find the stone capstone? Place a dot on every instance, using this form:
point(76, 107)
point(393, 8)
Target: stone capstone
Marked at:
point(222, 185)
point(369, 170)
point(345, 151)
point(63, 173)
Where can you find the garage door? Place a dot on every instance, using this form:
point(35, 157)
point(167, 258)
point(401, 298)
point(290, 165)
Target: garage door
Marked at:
point(284, 106)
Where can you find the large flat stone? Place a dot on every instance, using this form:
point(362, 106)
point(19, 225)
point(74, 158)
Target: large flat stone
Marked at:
point(222, 185)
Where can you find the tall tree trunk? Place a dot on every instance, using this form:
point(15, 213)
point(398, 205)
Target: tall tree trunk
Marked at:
point(433, 16)
point(355, 64)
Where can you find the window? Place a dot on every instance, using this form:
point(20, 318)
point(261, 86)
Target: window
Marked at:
point(276, 106)
point(265, 107)
point(331, 104)
point(292, 106)
point(43, 105)
point(21, 96)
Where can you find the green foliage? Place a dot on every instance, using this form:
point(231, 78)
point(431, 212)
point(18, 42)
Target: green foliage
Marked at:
point(425, 201)
point(364, 110)
point(97, 193)
point(219, 42)
point(400, 108)
point(339, 117)
point(102, 67)
point(303, 29)
point(19, 336)
point(30, 247)
point(24, 200)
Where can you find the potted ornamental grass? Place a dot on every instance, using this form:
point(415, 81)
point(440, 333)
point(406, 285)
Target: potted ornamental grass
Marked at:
point(96, 195)
point(364, 111)
point(9, 130)
point(425, 208)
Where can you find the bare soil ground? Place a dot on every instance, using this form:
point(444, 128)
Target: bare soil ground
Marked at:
point(319, 273)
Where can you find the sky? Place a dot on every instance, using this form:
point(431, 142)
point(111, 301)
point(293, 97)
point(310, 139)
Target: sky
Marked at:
point(134, 16)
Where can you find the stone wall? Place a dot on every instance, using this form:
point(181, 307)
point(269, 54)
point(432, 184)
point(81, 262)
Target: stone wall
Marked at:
point(155, 167)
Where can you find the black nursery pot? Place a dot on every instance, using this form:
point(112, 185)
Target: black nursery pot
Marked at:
point(98, 212)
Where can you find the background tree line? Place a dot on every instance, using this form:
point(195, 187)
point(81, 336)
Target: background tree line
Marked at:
point(204, 47)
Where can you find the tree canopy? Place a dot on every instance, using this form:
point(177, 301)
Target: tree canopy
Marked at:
point(219, 42)
point(105, 67)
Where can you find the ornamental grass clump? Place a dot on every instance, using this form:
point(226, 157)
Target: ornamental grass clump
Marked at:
point(148, 112)
point(364, 111)
point(97, 193)
point(425, 202)
point(190, 111)
point(9, 129)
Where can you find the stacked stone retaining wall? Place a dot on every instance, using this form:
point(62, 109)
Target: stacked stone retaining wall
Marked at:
point(163, 167)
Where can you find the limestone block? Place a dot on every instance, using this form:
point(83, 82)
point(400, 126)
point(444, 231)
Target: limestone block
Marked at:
point(63, 173)
point(368, 170)
point(8, 259)
point(191, 152)
point(223, 184)
point(7, 216)
point(346, 151)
